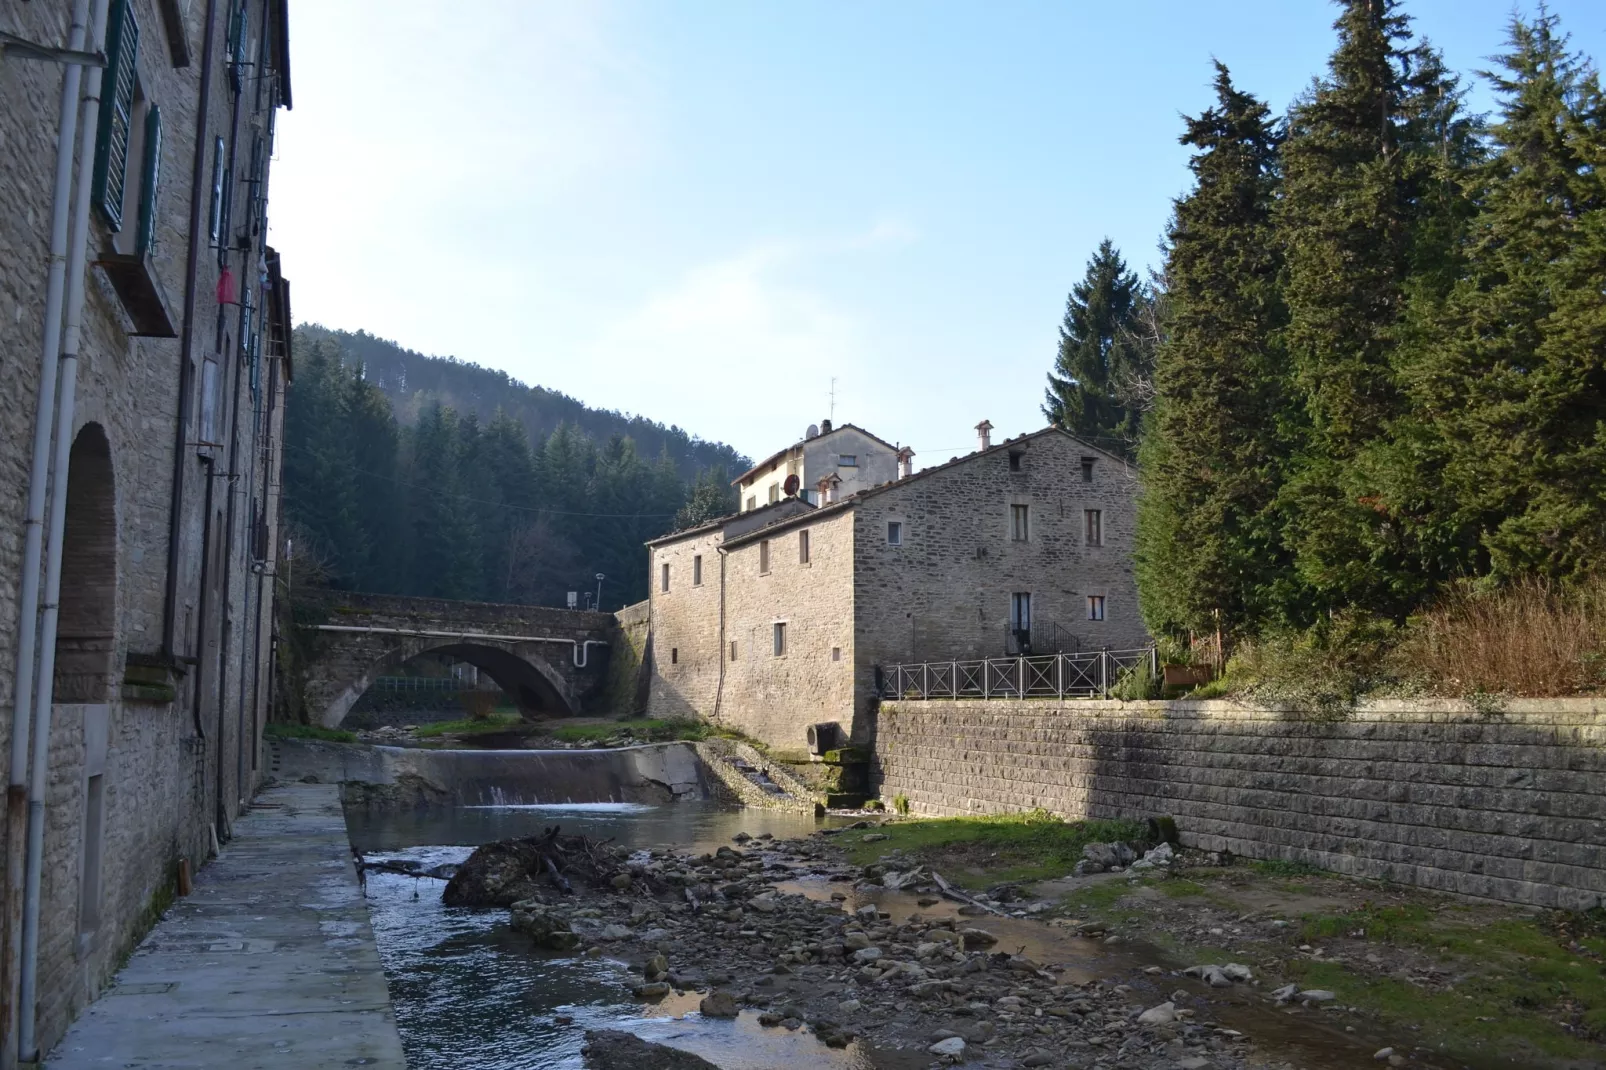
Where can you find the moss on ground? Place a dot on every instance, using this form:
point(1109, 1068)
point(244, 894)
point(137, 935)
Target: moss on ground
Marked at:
point(280, 730)
point(982, 851)
point(643, 729)
point(470, 726)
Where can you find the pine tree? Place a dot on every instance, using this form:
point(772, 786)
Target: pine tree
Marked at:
point(371, 429)
point(1209, 548)
point(1358, 210)
point(1101, 356)
point(320, 492)
point(1515, 391)
point(710, 497)
point(444, 562)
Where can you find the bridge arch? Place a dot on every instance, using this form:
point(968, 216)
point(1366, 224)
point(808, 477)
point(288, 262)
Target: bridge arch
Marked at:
point(523, 675)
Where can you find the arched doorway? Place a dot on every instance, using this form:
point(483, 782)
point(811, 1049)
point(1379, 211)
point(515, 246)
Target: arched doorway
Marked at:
point(86, 624)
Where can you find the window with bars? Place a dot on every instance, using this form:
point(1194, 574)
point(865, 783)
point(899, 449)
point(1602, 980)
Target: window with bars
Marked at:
point(1093, 526)
point(1020, 523)
point(118, 82)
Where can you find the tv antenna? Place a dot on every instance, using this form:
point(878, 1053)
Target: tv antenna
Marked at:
point(833, 399)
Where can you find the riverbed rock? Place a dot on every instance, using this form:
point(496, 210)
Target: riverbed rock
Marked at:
point(1109, 855)
point(975, 939)
point(656, 967)
point(954, 1047)
point(720, 1003)
point(542, 924)
point(652, 990)
point(608, 1049)
point(1164, 1014)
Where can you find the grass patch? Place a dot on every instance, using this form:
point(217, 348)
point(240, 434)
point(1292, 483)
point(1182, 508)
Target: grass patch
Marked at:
point(978, 851)
point(280, 730)
point(469, 726)
point(642, 729)
point(1278, 868)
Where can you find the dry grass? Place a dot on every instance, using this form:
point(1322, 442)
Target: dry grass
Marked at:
point(1533, 638)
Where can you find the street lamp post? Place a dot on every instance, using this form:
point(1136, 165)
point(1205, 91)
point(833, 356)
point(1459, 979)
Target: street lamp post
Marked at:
point(600, 578)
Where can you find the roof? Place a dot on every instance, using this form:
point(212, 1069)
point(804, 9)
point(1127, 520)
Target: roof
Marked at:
point(870, 492)
point(778, 454)
point(730, 518)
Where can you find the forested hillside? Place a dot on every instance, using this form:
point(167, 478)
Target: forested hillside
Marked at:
point(413, 382)
point(414, 475)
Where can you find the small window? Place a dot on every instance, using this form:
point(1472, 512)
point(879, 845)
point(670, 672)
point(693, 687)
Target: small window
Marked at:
point(1020, 616)
point(663, 581)
point(764, 557)
point(674, 655)
point(894, 533)
point(1095, 607)
point(697, 570)
point(780, 638)
point(118, 82)
point(733, 650)
point(1087, 469)
point(1015, 459)
point(1020, 523)
point(215, 226)
point(836, 653)
point(208, 414)
point(847, 460)
point(1094, 527)
point(752, 502)
point(775, 493)
point(803, 547)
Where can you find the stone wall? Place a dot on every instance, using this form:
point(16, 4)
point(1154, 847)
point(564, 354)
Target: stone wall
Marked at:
point(775, 698)
point(683, 650)
point(625, 690)
point(1508, 805)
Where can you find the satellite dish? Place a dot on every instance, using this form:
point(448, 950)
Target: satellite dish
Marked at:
point(814, 431)
point(791, 485)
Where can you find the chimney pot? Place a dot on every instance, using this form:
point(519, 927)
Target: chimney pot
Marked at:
point(984, 435)
point(906, 462)
point(825, 427)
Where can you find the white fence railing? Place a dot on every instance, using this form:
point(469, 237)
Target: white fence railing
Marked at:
point(1089, 674)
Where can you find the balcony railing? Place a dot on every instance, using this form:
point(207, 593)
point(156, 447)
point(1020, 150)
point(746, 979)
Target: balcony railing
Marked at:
point(1088, 674)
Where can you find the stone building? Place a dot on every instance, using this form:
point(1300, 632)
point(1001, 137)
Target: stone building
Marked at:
point(777, 618)
point(830, 463)
point(145, 331)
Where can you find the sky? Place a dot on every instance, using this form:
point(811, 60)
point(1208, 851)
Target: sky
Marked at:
point(718, 215)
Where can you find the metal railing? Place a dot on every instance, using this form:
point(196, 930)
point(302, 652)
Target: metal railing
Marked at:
point(1088, 674)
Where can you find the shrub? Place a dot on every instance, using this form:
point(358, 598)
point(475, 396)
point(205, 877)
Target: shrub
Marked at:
point(1533, 637)
point(1322, 670)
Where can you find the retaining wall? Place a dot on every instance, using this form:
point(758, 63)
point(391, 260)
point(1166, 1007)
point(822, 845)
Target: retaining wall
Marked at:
point(1509, 805)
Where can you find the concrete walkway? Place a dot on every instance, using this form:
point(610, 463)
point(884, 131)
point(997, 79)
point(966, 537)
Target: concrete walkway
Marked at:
point(270, 963)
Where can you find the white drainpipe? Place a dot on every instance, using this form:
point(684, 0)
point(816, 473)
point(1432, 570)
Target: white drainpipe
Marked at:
point(578, 652)
point(44, 683)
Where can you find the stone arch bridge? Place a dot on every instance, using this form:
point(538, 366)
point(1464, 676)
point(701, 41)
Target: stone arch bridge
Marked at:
point(547, 660)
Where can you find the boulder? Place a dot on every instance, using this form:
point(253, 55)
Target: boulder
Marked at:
point(976, 939)
point(720, 1003)
point(953, 1047)
point(1109, 855)
point(1164, 1014)
point(608, 1049)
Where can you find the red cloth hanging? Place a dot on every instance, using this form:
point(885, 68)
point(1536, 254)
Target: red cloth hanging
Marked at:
point(225, 289)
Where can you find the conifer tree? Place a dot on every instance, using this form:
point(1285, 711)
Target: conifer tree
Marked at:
point(1101, 356)
point(1209, 547)
point(1354, 223)
point(445, 564)
point(320, 492)
point(710, 497)
point(1515, 391)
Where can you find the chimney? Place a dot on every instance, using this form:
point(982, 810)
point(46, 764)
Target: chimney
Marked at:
point(825, 427)
point(906, 462)
point(827, 488)
point(984, 435)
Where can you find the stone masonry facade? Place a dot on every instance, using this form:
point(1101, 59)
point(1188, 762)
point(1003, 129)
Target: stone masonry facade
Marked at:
point(1507, 806)
point(774, 639)
point(155, 738)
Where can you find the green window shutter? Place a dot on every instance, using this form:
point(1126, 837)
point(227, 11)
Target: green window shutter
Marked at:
point(116, 111)
point(150, 180)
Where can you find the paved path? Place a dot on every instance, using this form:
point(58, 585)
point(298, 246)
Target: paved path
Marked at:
point(270, 963)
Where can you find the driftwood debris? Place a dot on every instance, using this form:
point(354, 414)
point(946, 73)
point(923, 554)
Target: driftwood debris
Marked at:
point(504, 872)
point(950, 892)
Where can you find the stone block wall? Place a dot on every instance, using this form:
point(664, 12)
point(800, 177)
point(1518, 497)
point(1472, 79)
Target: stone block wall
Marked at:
point(683, 650)
point(1508, 806)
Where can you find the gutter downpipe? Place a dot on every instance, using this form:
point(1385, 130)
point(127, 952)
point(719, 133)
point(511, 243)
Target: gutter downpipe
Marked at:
point(45, 682)
point(186, 356)
point(33, 538)
point(719, 690)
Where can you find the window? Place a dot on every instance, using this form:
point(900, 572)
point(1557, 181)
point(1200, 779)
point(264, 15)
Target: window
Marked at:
point(215, 226)
point(117, 115)
point(150, 179)
point(1094, 527)
point(775, 493)
point(674, 655)
point(733, 650)
point(209, 388)
point(663, 582)
point(697, 570)
point(1087, 469)
point(779, 637)
point(847, 460)
point(764, 557)
point(1095, 607)
point(836, 653)
point(803, 547)
point(894, 533)
point(1015, 459)
point(752, 502)
point(1020, 523)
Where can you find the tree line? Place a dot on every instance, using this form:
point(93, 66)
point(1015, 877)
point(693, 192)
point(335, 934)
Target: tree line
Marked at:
point(451, 507)
point(1373, 365)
